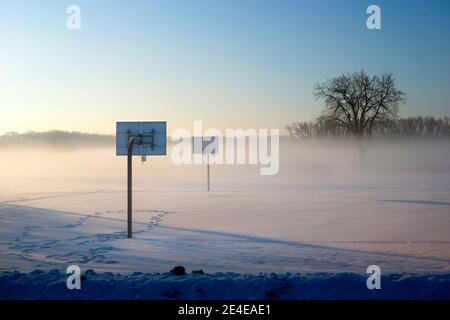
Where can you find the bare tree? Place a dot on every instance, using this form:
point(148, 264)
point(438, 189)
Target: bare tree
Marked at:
point(358, 103)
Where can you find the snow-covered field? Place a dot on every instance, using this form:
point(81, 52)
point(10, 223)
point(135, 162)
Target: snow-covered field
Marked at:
point(321, 213)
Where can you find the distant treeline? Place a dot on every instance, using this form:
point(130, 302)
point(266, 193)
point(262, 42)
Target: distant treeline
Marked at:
point(414, 127)
point(56, 138)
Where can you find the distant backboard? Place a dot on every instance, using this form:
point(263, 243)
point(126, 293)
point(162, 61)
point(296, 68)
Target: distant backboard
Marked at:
point(204, 145)
point(153, 135)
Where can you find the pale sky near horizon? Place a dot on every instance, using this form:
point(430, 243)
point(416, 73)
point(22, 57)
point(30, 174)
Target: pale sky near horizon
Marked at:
point(230, 63)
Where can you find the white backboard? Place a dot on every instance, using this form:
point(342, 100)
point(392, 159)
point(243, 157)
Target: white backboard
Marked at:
point(152, 133)
point(204, 145)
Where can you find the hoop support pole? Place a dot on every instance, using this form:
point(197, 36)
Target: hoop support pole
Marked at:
point(130, 187)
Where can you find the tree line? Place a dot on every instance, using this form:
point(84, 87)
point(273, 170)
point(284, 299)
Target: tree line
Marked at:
point(56, 138)
point(411, 127)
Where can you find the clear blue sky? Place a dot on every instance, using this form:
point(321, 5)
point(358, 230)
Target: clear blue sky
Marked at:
point(231, 63)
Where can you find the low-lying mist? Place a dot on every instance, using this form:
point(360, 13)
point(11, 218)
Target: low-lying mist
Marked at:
point(44, 168)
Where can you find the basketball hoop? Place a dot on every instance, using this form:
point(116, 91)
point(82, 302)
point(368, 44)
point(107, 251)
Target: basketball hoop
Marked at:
point(205, 146)
point(143, 139)
point(143, 155)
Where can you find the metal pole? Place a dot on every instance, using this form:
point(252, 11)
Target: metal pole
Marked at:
point(207, 170)
point(130, 186)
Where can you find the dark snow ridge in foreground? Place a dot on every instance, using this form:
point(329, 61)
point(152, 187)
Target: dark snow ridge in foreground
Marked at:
point(52, 285)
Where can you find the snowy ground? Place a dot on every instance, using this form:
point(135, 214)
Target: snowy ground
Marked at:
point(319, 214)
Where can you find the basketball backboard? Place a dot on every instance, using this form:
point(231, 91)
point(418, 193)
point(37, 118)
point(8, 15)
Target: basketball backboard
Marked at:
point(204, 145)
point(152, 134)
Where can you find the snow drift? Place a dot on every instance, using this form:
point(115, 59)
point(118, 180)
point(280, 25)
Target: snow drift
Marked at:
point(51, 284)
